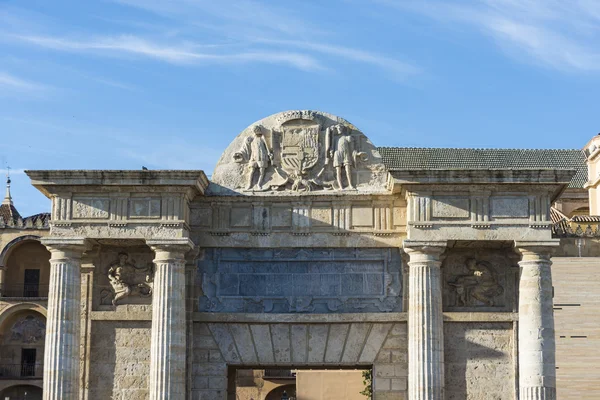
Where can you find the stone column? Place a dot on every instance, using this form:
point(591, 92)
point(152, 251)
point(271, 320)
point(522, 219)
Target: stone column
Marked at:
point(61, 354)
point(168, 348)
point(537, 371)
point(425, 321)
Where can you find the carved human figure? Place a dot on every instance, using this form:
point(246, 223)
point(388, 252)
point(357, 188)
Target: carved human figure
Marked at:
point(480, 284)
point(123, 279)
point(341, 152)
point(257, 154)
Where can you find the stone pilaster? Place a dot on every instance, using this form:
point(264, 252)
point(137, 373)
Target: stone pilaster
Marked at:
point(537, 365)
point(62, 352)
point(168, 348)
point(425, 321)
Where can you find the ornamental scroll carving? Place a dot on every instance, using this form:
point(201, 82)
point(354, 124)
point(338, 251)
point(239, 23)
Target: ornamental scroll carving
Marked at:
point(300, 151)
point(127, 279)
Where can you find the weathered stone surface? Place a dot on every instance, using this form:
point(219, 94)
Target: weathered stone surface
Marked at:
point(478, 360)
point(316, 280)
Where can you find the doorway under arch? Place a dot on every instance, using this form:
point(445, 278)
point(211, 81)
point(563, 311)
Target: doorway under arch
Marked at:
point(277, 393)
point(21, 392)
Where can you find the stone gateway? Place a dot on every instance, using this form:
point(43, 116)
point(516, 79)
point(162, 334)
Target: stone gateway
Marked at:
point(304, 250)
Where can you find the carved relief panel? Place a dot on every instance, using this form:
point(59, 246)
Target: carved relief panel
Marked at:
point(310, 280)
point(124, 275)
point(299, 152)
point(479, 280)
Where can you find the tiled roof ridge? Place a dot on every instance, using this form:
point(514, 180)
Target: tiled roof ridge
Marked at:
point(472, 148)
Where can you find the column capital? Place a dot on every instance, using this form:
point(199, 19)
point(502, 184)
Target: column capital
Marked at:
point(169, 249)
point(424, 251)
point(69, 247)
point(536, 251)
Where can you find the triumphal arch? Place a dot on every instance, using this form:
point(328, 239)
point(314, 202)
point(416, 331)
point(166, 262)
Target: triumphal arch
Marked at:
point(308, 247)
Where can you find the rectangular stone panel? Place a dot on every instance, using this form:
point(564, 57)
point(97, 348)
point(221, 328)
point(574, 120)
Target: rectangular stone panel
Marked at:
point(241, 217)
point(450, 208)
point(292, 280)
point(321, 215)
point(91, 208)
point(201, 217)
point(362, 216)
point(509, 207)
point(144, 207)
point(281, 217)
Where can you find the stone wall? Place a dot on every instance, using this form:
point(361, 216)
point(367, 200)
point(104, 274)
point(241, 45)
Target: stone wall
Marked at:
point(120, 351)
point(479, 362)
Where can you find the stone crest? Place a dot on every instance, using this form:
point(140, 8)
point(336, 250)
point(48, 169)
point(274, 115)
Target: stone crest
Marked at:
point(299, 151)
point(28, 330)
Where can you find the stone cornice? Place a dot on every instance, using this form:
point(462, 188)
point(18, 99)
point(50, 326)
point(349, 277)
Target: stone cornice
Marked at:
point(49, 181)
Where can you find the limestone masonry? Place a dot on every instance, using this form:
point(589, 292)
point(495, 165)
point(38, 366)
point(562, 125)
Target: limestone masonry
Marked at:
point(308, 248)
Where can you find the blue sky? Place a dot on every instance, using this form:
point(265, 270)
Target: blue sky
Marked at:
point(168, 84)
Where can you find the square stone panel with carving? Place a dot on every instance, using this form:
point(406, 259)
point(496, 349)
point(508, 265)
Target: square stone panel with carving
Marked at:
point(479, 280)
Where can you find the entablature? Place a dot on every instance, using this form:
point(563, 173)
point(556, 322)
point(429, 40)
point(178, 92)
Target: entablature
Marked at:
point(120, 204)
point(219, 219)
point(480, 204)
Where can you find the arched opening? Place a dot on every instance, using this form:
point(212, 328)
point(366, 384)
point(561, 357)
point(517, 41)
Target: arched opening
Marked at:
point(22, 339)
point(21, 392)
point(277, 393)
point(26, 268)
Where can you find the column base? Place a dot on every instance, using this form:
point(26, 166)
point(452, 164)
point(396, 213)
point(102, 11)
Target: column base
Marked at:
point(537, 393)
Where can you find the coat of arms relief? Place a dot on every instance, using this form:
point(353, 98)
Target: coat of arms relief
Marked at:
point(301, 153)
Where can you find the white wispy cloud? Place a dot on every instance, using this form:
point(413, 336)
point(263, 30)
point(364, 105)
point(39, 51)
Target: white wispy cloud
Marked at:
point(185, 53)
point(9, 81)
point(555, 33)
point(399, 68)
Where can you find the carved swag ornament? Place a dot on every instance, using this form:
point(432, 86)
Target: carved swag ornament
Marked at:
point(479, 285)
point(127, 279)
point(300, 155)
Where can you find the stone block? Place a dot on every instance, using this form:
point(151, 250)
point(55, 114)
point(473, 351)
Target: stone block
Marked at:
point(299, 343)
point(263, 344)
point(280, 335)
point(374, 342)
point(244, 344)
point(335, 342)
point(400, 384)
point(355, 342)
point(317, 341)
point(382, 384)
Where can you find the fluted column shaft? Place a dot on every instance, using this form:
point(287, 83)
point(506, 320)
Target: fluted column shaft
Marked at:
point(168, 348)
point(537, 365)
point(425, 323)
point(61, 354)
